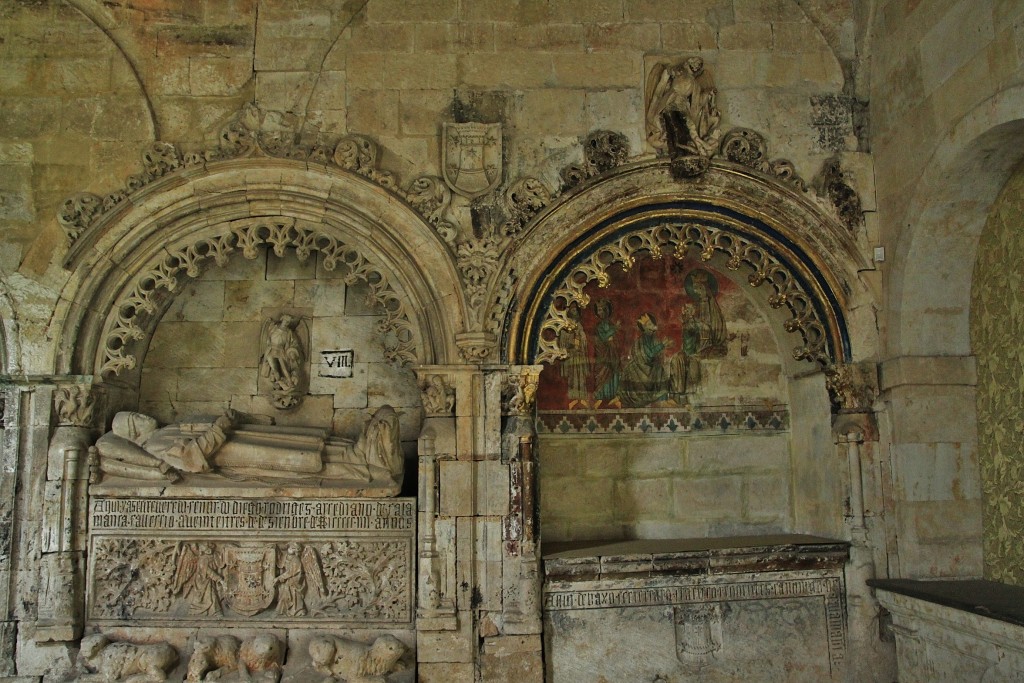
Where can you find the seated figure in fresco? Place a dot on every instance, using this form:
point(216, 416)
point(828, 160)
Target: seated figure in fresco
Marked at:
point(136, 448)
point(647, 372)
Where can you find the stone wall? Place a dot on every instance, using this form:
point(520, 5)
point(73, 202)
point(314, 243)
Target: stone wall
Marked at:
point(205, 353)
point(945, 109)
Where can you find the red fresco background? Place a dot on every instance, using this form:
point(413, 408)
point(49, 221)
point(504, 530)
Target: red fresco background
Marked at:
point(653, 286)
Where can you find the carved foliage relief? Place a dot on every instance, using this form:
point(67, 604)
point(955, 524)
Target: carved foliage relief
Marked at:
point(141, 580)
point(997, 307)
point(352, 563)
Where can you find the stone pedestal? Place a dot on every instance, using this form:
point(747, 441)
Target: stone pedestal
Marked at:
point(955, 630)
point(754, 608)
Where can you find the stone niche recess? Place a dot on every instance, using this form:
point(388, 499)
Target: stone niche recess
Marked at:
point(671, 415)
point(286, 551)
point(205, 354)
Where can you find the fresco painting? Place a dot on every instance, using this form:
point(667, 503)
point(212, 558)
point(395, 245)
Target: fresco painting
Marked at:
point(670, 347)
point(641, 342)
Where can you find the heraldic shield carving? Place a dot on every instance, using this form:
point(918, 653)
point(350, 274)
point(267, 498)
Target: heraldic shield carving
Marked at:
point(250, 578)
point(471, 157)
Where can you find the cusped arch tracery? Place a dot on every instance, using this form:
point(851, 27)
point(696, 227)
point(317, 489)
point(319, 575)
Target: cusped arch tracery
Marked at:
point(757, 226)
point(677, 239)
point(139, 254)
point(246, 238)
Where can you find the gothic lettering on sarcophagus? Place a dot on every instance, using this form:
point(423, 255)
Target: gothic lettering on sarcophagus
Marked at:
point(190, 562)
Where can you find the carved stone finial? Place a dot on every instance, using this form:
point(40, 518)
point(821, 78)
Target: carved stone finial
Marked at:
point(603, 150)
point(831, 184)
point(438, 398)
point(78, 212)
point(431, 198)
point(682, 116)
point(524, 198)
point(748, 147)
point(74, 405)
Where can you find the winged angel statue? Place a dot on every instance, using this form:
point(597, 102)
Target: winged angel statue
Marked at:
point(682, 115)
point(283, 359)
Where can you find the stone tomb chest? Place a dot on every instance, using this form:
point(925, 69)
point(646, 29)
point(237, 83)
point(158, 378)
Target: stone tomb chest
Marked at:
point(173, 568)
point(766, 608)
point(267, 562)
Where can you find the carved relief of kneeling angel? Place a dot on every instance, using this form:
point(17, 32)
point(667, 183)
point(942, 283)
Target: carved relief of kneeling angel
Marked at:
point(230, 445)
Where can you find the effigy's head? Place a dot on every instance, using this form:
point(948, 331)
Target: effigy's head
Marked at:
point(133, 426)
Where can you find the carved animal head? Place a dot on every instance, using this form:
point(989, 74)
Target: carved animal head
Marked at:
point(321, 652)
point(261, 652)
point(383, 655)
point(93, 645)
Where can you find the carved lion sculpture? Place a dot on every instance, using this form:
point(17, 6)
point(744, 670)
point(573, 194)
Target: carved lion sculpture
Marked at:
point(128, 662)
point(212, 658)
point(260, 659)
point(355, 662)
point(216, 658)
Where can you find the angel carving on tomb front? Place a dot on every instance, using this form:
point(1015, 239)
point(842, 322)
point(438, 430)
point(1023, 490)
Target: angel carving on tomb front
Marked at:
point(300, 585)
point(198, 578)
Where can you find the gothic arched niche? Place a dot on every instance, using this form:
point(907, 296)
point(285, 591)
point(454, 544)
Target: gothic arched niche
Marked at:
point(175, 296)
point(687, 340)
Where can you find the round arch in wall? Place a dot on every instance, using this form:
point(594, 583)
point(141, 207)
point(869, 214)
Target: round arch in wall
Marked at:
point(127, 267)
point(775, 235)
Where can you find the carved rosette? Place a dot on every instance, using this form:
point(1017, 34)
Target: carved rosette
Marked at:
point(281, 235)
point(676, 239)
point(748, 147)
point(603, 150)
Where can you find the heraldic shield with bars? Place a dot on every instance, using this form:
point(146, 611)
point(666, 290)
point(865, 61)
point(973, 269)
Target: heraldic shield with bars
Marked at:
point(471, 157)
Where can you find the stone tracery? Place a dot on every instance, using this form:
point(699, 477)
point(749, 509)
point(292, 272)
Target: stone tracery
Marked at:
point(247, 237)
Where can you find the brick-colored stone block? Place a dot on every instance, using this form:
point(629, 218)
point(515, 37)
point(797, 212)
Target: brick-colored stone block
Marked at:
point(512, 658)
point(607, 69)
point(445, 672)
point(430, 71)
point(533, 70)
point(545, 37)
point(746, 36)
